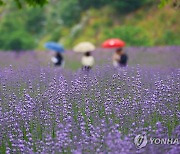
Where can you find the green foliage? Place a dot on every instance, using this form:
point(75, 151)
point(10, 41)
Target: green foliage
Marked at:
point(14, 36)
point(64, 13)
point(121, 5)
point(86, 4)
point(1, 2)
point(170, 38)
point(60, 21)
point(133, 36)
point(20, 28)
point(19, 3)
point(126, 6)
point(56, 34)
point(163, 3)
point(35, 20)
point(19, 40)
point(69, 11)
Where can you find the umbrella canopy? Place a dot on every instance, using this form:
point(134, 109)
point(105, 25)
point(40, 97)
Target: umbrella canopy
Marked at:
point(84, 47)
point(113, 43)
point(54, 46)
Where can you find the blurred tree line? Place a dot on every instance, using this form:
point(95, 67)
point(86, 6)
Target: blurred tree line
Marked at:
point(19, 3)
point(85, 4)
point(21, 29)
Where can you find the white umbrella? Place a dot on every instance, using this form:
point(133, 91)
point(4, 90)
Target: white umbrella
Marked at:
point(84, 47)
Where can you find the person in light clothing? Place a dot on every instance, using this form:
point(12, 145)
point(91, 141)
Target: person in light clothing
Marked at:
point(87, 61)
point(116, 58)
point(86, 48)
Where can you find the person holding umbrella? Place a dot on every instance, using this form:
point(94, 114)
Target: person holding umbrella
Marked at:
point(119, 58)
point(58, 59)
point(87, 60)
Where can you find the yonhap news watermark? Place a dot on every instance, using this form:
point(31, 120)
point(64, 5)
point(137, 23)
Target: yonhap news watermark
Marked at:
point(141, 141)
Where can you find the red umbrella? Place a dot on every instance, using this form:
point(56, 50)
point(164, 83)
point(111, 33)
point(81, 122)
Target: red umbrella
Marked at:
point(113, 43)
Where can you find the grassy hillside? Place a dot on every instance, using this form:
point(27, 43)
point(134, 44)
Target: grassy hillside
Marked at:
point(72, 21)
point(146, 26)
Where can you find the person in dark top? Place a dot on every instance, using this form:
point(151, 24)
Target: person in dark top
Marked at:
point(58, 60)
point(120, 58)
point(123, 60)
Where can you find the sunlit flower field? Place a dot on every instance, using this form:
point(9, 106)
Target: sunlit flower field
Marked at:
point(52, 110)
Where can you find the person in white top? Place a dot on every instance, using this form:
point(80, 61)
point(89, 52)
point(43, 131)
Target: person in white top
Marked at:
point(87, 61)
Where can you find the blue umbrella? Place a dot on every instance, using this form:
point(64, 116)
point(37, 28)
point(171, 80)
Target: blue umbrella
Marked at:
point(54, 46)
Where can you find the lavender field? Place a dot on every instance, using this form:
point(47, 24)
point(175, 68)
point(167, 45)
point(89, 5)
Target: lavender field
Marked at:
point(50, 110)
